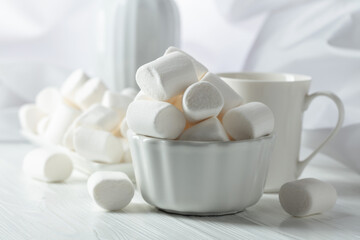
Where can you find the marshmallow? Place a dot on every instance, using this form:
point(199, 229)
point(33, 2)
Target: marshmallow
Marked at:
point(251, 120)
point(29, 117)
point(117, 101)
point(110, 190)
point(142, 96)
point(130, 92)
point(60, 121)
point(72, 84)
point(177, 102)
point(42, 125)
point(166, 76)
point(97, 145)
point(207, 130)
point(307, 197)
point(48, 99)
point(96, 116)
point(199, 68)
point(202, 100)
point(90, 93)
point(127, 154)
point(155, 119)
point(47, 165)
point(124, 128)
point(231, 98)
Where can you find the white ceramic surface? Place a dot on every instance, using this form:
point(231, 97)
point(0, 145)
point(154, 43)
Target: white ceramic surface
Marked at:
point(200, 178)
point(287, 96)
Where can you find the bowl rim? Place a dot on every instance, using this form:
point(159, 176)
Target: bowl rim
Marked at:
point(132, 134)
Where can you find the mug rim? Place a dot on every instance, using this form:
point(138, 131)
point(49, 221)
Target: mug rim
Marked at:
point(265, 77)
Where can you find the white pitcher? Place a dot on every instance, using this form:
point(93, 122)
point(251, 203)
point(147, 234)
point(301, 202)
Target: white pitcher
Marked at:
point(131, 33)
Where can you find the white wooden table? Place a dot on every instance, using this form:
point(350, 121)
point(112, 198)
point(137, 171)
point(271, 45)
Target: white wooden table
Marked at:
point(31, 209)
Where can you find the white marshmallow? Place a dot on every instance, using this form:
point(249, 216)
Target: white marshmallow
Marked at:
point(127, 154)
point(199, 68)
point(29, 117)
point(110, 190)
point(155, 119)
point(207, 130)
point(97, 145)
point(307, 197)
point(167, 76)
point(130, 92)
point(124, 128)
point(47, 165)
point(251, 120)
point(90, 93)
point(117, 101)
point(48, 99)
point(96, 116)
point(231, 98)
point(201, 100)
point(72, 84)
point(142, 96)
point(42, 126)
point(60, 121)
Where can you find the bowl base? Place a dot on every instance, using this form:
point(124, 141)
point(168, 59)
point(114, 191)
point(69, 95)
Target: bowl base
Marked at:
point(201, 214)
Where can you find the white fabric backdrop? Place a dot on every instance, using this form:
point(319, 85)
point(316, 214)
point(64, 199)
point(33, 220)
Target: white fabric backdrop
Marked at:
point(42, 41)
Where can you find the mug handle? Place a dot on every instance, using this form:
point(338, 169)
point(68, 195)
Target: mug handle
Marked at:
point(341, 112)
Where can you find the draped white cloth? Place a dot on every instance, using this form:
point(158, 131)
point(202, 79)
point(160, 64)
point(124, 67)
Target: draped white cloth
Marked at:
point(42, 41)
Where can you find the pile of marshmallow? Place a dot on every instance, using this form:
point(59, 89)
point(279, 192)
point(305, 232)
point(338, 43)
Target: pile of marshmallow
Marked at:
point(82, 116)
point(180, 99)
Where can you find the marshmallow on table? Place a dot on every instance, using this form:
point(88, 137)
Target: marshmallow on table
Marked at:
point(47, 165)
point(306, 197)
point(110, 190)
point(251, 120)
point(97, 145)
point(29, 117)
point(155, 119)
point(166, 76)
point(60, 121)
point(90, 93)
point(42, 125)
point(72, 84)
point(207, 130)
point(117, 101)
point(201, 100)
point(130, 92)
point(96, 116)
point(199, 68)
point(231, 98)
point(48, 99)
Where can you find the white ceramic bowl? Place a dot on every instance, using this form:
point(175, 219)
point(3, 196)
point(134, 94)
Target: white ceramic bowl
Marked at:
point(200, 178)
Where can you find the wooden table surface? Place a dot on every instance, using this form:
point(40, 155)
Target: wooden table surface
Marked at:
point(30, 209)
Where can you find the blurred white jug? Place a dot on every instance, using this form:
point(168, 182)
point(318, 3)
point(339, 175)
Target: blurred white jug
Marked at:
point(132, 33)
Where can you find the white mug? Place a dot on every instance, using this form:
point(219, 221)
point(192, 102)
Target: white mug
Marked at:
point(287, 96)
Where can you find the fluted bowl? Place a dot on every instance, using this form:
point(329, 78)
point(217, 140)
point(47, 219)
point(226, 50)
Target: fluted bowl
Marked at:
point(200, 178)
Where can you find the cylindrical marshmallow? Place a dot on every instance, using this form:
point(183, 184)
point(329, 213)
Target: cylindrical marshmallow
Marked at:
point(42, 125)
point(207, 130)
point(97, 145)
point(29, 117)
point(155, 119)
point(166, 76)
point(117, 101)
point(47, 165)
point(307, 197)
point(130, 92)
point(90, 93)
point(96, 116)
point(202, 100)
point(60, 121)
point(72, 84)
point(251, 120)
point(199, 68)
point(110, 190)
point(48, 99)
point(231, 98)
